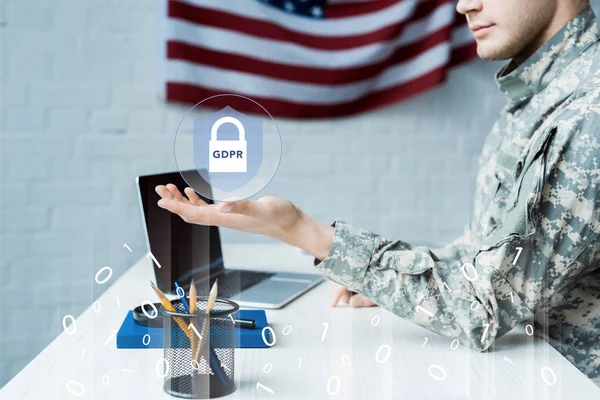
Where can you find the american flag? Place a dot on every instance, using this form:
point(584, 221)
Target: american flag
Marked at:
point(310, 58)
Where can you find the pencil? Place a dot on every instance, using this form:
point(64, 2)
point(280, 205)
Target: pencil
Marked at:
point(193, 301)
point(169, 307)
point(212, 297)
point(213, 358)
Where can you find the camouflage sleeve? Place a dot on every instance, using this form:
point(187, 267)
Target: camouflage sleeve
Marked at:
point(548, 239)
point(457, 250)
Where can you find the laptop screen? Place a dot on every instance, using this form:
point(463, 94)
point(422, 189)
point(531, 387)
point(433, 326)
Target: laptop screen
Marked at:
point(183, 250)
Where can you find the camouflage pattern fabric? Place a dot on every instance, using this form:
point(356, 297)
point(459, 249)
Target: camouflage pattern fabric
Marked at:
point(532, 249)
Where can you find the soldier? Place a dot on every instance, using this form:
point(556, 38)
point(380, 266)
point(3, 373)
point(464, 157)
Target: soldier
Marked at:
point(532, 249)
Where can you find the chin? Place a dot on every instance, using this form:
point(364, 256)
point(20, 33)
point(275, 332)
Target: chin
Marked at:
point(489, 52)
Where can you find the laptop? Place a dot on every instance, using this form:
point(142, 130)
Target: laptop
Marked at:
point(185, 251)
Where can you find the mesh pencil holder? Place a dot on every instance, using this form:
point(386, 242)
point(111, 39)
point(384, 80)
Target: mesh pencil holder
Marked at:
point(193, 371)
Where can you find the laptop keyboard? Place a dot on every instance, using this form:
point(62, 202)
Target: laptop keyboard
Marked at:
point(234, 282)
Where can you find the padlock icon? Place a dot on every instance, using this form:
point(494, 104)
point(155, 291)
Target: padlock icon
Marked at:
point(227, 155)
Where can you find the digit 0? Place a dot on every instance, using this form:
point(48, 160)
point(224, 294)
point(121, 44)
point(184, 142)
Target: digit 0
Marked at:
point(442, 374)
point(165, 364)
point(337, 385)
point(546, 381)
point(154, 314)
point(75, 388)
point(73, 324)
point(103, 281)
point(267, 368)
point(387, 356)
point(268, 328)
point(472, 268)
point(286, 330)
point(529, 329)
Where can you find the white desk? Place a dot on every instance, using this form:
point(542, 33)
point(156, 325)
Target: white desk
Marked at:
point(348, 351)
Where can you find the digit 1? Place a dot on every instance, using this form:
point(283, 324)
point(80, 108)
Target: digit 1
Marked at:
point(326, 325)
point(520, 249)
point(192, 327)
point(424, 310)
point(260, 385)
point(299, 362)
point(512, 300)
point(113, 332)
point(485, 331)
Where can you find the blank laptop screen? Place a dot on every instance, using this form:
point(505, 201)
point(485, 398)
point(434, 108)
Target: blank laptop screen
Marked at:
point(183, 250)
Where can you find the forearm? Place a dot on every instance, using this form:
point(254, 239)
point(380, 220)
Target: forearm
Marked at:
point(309, 234)
point(400, 278)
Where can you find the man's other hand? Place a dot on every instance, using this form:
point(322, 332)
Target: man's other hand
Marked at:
point(356, 300)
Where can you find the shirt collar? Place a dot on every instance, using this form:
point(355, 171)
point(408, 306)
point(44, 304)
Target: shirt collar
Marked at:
point(549, 60)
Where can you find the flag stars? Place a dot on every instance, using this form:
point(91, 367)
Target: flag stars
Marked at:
point(289, 6)
point(317, 11)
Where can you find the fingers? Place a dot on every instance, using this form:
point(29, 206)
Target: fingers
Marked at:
point(338, 294)
point(346, 296)
point(186, 211)
point(193, 209)
point(176, 193)
point(202, 215)
point(358, 300)
point(193, 197)
point(163, 192)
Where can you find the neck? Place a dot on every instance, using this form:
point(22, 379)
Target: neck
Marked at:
point(565, 12)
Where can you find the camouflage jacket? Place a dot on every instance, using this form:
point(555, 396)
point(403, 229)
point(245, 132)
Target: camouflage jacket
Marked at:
point(532, 249)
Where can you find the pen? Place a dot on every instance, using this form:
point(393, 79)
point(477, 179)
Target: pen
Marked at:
point(182, 296)
point(244, 323)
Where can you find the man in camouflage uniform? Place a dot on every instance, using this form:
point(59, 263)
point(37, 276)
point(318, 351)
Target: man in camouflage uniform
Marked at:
point(533, 246)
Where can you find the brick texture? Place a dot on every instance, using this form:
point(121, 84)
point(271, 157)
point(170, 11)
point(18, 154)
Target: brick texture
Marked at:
point(81, 118)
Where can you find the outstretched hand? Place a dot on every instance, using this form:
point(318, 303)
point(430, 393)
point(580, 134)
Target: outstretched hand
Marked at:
point(269, 216)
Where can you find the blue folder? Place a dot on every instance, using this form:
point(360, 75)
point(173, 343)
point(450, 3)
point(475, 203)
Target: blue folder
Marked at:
point(131, 335)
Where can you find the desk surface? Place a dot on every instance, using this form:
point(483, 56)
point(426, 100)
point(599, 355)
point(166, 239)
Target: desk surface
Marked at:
point(350, 353)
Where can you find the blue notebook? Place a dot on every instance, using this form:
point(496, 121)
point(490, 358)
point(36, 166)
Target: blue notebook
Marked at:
point(131, 335)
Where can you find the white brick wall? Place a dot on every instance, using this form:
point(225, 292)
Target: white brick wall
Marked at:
point(80, 119)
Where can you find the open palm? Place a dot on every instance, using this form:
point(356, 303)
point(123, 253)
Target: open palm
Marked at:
point(269, 215)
